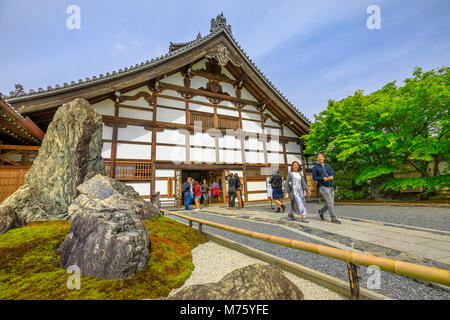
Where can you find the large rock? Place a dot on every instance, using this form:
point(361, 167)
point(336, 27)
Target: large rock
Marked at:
point(253, 282)
point(70, 154)
point(107, 238)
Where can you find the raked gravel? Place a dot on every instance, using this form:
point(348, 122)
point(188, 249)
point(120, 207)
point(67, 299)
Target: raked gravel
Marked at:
point(212, 262)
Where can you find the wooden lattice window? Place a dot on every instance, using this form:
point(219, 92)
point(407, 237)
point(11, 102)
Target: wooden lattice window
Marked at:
point(130, 170)
point(206, 119)
point(228, 122)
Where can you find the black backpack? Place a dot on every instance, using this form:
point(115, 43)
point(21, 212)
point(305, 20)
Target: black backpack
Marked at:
point(277, 181)
point(186, 188)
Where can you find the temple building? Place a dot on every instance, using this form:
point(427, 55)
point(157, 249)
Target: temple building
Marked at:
point(201, 110)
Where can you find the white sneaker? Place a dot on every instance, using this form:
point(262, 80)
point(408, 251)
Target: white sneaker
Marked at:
point(196, 209)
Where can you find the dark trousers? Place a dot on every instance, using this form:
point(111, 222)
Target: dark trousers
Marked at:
point(231, 199)
point(205, 198)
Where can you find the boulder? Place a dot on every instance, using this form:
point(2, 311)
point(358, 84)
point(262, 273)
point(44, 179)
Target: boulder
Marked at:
point(9, 219)
point(107, 238)
point(253, 282)
point(70, 154)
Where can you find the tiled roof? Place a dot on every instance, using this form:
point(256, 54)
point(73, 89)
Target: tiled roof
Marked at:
point(217, 25)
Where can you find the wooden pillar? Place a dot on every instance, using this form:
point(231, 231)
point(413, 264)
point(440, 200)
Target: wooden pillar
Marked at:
point(114, 141)
point(153, 150)
point(266, 158)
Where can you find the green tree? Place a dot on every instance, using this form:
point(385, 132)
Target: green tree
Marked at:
point(393, 130)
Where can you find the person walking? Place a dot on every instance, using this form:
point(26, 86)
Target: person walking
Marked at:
point(205, 193)
point(324, 175)
point(187, 192)
point(277, 189)
point(215, 191)
point(239, 190)
point(231, 191)
point(197, 195)
point(295, 186)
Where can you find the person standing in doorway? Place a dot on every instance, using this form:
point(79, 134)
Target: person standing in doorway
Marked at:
point(197, 195)
point(324, 175)
point(295, 186)
point(205, 193)
point(277, 189)
point(215, 191)
point(187, 187)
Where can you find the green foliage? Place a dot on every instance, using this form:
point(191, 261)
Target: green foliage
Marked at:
point(29, 264)
point(369, 136)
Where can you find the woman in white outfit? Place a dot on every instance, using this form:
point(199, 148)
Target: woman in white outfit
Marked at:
point(295, 186)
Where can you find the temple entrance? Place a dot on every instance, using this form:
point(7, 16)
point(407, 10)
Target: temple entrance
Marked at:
point(210, 176)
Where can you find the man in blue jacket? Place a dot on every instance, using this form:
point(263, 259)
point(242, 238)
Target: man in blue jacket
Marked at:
point(324, 175)
point(187, 191)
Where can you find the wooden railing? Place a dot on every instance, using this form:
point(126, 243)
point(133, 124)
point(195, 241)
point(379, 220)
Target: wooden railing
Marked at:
point(130, 170)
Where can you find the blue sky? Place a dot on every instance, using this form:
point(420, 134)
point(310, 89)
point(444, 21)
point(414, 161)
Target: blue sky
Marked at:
point(311, 50)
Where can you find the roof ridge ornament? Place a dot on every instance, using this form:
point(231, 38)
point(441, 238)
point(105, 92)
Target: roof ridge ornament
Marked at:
point(220, 23)
point(18, 91)
point(222, 55)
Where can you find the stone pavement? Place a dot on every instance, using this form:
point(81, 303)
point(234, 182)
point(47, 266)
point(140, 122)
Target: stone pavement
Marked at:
point(400, 242)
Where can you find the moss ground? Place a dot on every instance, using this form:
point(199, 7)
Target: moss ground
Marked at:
point(29, 264)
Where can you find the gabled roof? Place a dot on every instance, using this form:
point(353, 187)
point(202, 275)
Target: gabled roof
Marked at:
point(218, 27)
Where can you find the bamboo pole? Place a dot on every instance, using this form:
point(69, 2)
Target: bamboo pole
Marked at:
point(402, 268)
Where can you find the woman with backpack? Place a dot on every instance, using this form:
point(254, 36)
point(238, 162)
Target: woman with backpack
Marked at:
point(277, 189)
point(295, 186)
point(197, 195)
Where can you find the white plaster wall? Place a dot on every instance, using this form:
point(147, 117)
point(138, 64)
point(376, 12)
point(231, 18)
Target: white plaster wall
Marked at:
point(253, 143)
point(198, 82)
point(275, 157)
point(228, 156)
point(107, 133)
point(250, 107)
point(227, 73)
point(228, 112)
point(199, 65)
point(227, 104)
point(171, 93)
point(200, 107)
point(254, 157)
point(274, 145)
point(134, 133)
point(288, 132)
point(133, 151)
point(246, 95)
point(176, 79)
point(251, 126)
point(171, 136)
point(164, 173)
point(200, 99)
point(272, 131)
point(256, 185)
point(170, 153)
point(230, 142)
point(106, 151)
point(141, 102)
point(228, 88)
point(161, 187)
point(203, 155)
point(292, 147)
point(105, 107)
point(257, 196)
point(170, 103)
point(142, 188)
point(135, 114)
point(170, 115)
point(202, 139)
point(293, 157)
point(250, 115)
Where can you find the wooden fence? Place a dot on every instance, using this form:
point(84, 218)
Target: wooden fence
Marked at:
point(11, 179)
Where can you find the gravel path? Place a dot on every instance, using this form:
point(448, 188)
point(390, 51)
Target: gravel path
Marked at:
point(393, 286)
point(425, 217)
point(226, 260)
